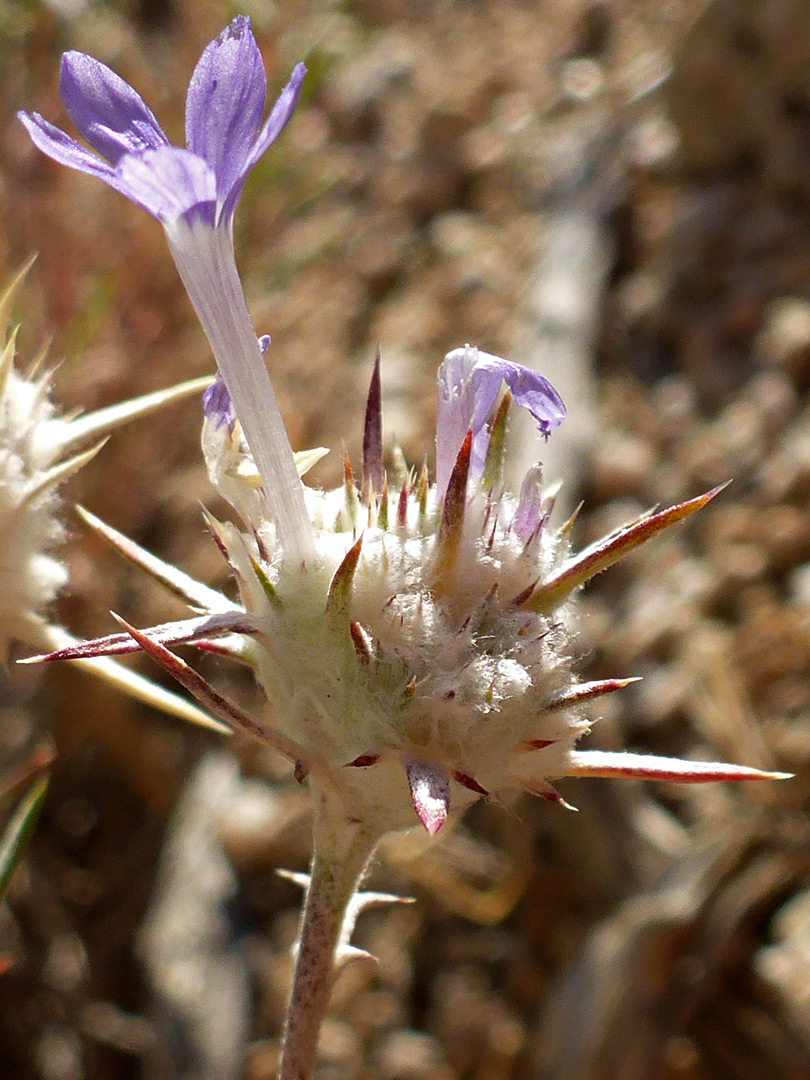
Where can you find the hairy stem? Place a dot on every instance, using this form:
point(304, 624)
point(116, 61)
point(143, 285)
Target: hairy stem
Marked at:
point(342, 850)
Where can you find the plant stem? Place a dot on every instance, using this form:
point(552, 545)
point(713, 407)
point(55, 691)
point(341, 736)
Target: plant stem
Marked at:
point(342, 851)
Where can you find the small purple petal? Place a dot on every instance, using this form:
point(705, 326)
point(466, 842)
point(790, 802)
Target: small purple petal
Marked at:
point(225, 103)
point(63, 149)
point(529, 390)
point(274, 125)
point(106, 110)
point(170, 184)
point(469, 385)
point(217, 404)
point(264, 343)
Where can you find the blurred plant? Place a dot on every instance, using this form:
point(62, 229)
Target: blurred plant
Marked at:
point(37, 454)
point(411, 636)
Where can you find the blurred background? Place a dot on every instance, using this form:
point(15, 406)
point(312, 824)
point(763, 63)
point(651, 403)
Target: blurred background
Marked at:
point(612, 190)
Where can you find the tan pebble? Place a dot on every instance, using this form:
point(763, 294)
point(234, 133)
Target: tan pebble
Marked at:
point(728, 523)
point(785, 533)
point(339, 1045)
point(787, 696)
point(582, 79)
point(662, 694)
point(676, 402)
point(409, 1055)
point(800, 586)
point(787, 471)
point(621, 464)
point(255, 826)
point(774, 396)
point(784, 340)
point(262, 1059)
point(739, 563)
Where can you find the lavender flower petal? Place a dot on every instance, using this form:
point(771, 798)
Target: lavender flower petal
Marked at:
point(193, 193)
point(205, 260)
point(456, 408)
point(63, 149)
point(469, 384)
point(110, 115)
point(170, 184)
point(529, 390)
point(225, 103)
point(217, 404)
point(273, 126)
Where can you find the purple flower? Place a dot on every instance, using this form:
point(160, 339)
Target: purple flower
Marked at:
point(193, 192)
point(469, 384)
point(224, 137)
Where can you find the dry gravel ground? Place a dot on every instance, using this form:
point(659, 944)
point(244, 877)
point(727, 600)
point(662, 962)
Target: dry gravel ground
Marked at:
point(444, 155)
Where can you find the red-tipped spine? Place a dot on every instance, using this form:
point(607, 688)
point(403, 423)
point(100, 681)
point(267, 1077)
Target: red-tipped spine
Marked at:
point(373, 475)
point(451, 526)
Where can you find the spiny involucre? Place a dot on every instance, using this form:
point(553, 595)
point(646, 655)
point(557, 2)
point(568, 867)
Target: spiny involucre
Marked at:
point(411, 636)
point(420, 657)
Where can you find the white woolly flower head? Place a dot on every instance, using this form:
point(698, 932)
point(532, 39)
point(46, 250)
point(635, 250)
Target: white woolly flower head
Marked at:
point(30, 529)
point(33, 445)
point(419, 656)
point(397, 654)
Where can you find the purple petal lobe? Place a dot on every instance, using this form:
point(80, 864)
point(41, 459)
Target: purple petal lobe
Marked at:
point(430, 793)
point(63, 149)
point(225, 103)
point(529, 390)
point(469, 384)
point(106, 110)
point(170, 183)
point(217, 404)
point(273, 126)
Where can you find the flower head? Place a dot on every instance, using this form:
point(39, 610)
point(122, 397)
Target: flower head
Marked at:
point(420, 658)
